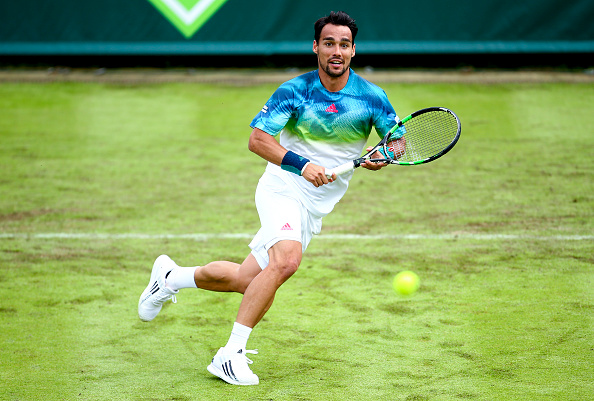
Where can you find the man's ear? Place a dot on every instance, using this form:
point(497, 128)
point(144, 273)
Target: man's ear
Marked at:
point(315, 47)
point(353, 55)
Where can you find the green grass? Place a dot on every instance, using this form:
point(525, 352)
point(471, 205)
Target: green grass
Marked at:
point(496, 318)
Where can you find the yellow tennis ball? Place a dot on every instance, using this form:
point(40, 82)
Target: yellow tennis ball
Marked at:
point(406, 283)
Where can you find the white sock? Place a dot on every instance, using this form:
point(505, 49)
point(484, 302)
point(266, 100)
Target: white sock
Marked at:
point(181, 277)
point(239, 337)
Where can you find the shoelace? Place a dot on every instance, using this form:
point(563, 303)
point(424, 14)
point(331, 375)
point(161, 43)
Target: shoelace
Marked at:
point(161, 296)
point(250, 351)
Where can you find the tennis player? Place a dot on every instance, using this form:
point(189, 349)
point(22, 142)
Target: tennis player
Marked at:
point(322, 119)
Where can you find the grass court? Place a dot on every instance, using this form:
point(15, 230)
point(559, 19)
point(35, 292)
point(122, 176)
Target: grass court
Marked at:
point(98, 179)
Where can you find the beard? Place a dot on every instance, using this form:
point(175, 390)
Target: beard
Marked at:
point(332, 73)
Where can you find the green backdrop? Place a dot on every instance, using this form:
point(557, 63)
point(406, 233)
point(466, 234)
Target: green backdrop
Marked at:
point(257, 27)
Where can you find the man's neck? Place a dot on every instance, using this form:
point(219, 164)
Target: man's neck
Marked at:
point(334, 84)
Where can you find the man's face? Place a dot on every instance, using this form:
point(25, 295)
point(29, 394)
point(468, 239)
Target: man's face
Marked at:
point(335, 49)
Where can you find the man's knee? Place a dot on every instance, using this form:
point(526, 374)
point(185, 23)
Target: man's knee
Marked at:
point(288, 267)
point(285, 258)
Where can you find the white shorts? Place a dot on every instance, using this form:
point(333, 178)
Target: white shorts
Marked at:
point(282, 216)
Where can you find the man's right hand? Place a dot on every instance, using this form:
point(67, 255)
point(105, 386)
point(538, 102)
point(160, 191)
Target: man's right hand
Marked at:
point(317, 175)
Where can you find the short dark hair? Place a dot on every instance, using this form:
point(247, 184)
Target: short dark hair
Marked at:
point(335, 18)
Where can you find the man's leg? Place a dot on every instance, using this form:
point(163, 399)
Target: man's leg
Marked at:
point(285, 257)
point(227, 276)
point(231, 363)
point(167, 279)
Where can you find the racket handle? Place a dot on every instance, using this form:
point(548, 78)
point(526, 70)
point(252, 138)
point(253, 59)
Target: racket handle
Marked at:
point(343, 168)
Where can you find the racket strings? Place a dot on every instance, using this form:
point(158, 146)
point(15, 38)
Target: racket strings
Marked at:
point(428, 134)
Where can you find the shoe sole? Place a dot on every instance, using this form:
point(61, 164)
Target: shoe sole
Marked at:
point(221, 375)
point(154, 278)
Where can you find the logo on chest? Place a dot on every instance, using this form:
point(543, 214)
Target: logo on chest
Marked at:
point(332, 109)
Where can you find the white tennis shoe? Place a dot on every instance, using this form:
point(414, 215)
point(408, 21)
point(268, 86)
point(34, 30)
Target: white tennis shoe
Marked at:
point(233, 367)
point(156, 294)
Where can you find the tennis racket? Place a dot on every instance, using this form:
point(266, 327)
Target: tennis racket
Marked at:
point(419, 138)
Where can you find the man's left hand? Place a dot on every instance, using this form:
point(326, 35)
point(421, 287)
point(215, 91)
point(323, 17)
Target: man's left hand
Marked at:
point(373, 165)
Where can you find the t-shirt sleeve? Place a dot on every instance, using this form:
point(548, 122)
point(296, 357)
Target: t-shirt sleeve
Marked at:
point(385, 117)
point(276, 112)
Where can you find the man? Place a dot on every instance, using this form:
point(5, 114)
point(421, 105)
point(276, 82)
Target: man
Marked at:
point(324, 118)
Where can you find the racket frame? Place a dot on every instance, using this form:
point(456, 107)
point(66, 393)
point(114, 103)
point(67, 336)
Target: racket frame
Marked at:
point(383, 144)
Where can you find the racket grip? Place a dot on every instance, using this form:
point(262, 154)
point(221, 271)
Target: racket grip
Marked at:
point(342, 169)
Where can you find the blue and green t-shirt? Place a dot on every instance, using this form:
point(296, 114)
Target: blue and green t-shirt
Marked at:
point(328, 128)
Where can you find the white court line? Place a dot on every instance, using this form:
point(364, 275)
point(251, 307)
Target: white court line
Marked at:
point(215, 236)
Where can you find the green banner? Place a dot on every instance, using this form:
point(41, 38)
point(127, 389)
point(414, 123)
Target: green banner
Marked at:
point(258, 27)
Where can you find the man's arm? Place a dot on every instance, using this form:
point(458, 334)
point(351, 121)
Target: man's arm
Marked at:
point(268, 148)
